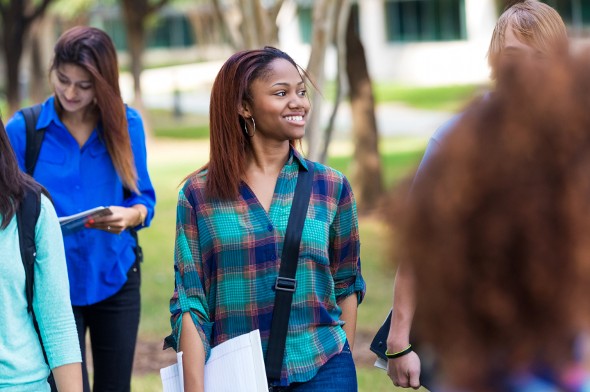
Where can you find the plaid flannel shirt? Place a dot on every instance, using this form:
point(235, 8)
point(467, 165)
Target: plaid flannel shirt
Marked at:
point(227, 257)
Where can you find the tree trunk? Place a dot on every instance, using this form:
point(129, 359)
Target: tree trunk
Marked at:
point(15, 25)
point(367, 176)
point(13, 28)
point(248, 27)
point(233, 34)
point(257, 24)
point(343, 12)
point(135, 12)
point(38, 88)
point(12, 55)
point(273, 28)
point(323, 28)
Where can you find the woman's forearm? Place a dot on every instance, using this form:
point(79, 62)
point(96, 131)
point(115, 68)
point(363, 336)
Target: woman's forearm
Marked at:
point(403, 309)
point(68, 378)
point(193, 357)
point(349, 307)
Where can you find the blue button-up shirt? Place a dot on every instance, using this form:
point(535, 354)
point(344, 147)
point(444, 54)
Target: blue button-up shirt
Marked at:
point(80, 178)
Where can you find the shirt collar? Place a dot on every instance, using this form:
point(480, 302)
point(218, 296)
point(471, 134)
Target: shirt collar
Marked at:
point(48, 114)
point(296, 155)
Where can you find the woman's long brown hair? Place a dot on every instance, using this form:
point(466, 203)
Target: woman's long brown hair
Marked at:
point(93, 50)
point(13, 182)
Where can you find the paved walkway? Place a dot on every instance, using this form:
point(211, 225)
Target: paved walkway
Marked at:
point(192, 84)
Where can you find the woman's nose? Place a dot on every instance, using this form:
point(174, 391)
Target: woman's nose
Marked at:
point(70, 92)
point(297, 101)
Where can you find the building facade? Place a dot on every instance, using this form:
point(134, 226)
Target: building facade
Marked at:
point(417, 42)
point(412, 42)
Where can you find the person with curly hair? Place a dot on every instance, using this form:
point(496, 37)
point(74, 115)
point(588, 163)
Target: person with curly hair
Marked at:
point(527, 30)
point(496, 231)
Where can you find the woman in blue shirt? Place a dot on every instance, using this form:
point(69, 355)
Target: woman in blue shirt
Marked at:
point(93, 154)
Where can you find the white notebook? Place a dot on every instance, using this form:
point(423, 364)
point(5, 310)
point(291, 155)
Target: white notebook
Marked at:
point(234, 365)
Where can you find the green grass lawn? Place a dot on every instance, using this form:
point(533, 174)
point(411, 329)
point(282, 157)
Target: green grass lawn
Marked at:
point(167, 171)
point(445, 98)
point(369, 380)
point(187, 126)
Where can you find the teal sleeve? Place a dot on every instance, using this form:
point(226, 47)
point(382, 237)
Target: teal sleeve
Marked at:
point(189, 277)
point(51, 293)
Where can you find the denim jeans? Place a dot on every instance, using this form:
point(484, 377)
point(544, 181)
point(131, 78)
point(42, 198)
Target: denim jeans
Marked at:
point(336, 375)
point(113, 325)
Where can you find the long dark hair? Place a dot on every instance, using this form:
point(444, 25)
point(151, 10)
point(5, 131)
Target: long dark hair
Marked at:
point(13, 182)
point(228, 141)
point(93, 50)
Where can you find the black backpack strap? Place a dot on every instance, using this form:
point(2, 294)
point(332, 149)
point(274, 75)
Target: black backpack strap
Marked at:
point(34, 137)
point(133, 232)
point(27, 216)
point(286, 284)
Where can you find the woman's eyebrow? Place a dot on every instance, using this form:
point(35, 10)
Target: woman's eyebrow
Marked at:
point(287, 84)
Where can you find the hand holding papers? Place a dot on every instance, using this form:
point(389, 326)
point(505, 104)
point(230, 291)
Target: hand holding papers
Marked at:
point(235, 365)
point(72, 223)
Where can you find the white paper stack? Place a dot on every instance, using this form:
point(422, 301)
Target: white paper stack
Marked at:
point(172, 376)
point(234, 365)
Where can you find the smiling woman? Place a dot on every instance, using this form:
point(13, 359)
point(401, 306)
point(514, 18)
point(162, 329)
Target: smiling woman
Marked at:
point(231, 222)
point(279, 103)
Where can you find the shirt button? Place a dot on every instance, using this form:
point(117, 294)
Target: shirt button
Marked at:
point(269, 227)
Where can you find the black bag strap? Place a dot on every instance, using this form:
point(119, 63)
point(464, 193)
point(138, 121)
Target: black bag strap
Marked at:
point(286, 284)
point(27, 216)
point(138, 250)
point(34, 137)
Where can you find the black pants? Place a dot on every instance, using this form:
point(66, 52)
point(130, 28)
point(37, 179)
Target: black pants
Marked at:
point(112, 324)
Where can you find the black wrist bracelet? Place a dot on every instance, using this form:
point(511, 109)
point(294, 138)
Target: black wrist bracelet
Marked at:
point(399, 353)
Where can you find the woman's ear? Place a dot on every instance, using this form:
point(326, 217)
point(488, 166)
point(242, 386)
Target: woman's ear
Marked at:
point(244, 110)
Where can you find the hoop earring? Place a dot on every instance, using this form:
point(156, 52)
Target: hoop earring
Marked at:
point(246, 128)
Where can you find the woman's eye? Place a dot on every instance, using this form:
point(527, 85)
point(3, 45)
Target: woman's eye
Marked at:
point(85, 86)
point(281, 93)
point(303, 93)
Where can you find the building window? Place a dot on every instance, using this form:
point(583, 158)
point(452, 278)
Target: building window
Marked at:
point(169, 31)
point(425, 20)
point(575, 13)
point(305, 18)
point(115, 28)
